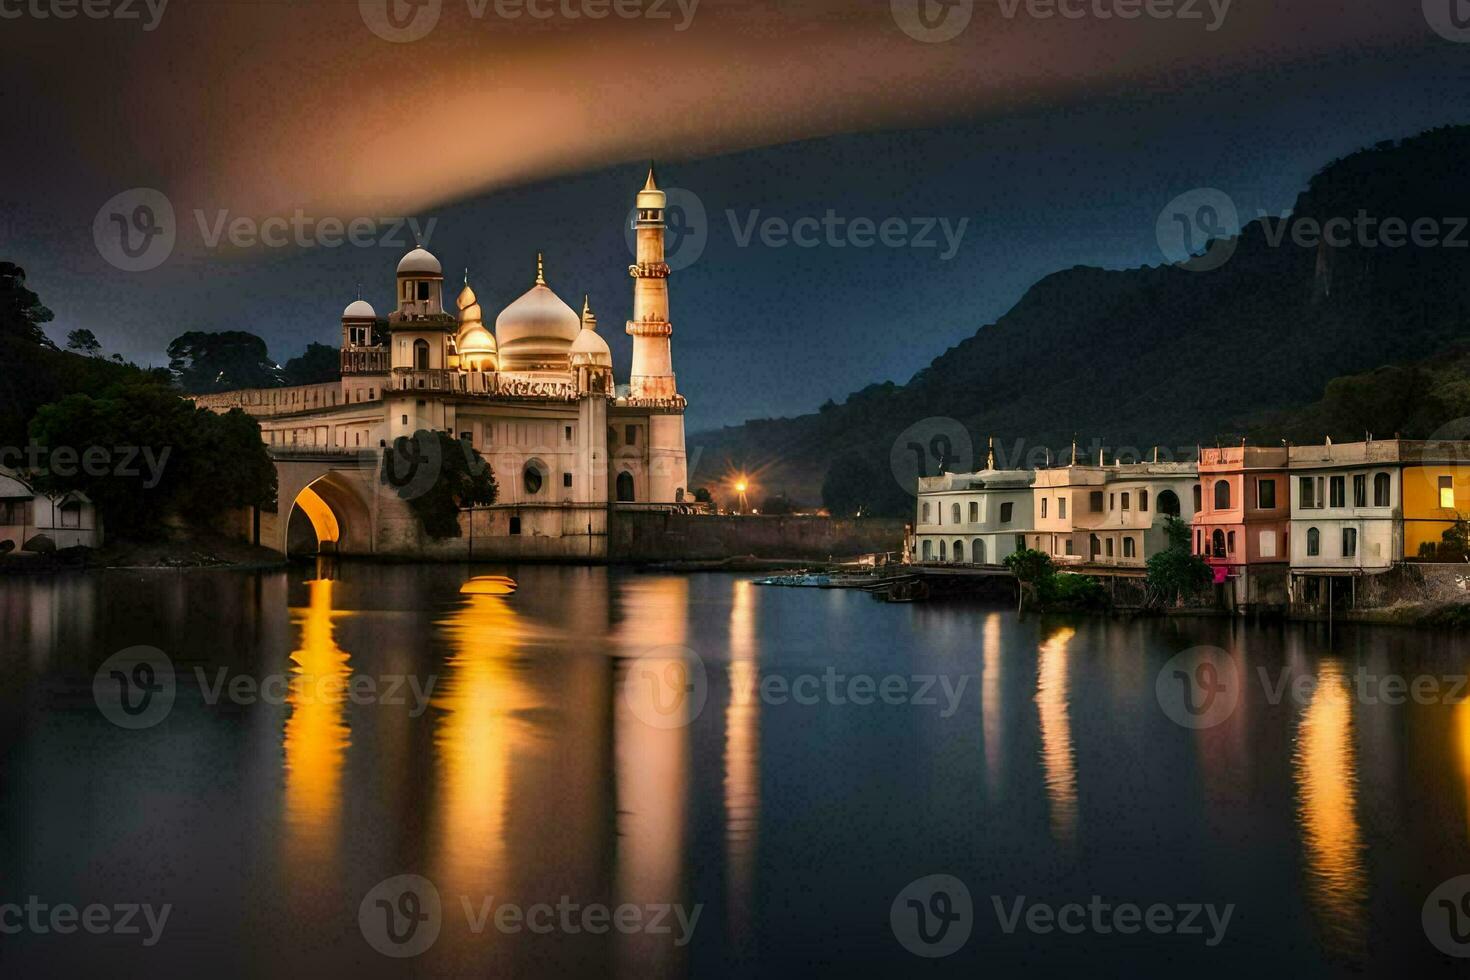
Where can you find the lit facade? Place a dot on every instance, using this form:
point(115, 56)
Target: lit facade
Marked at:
point(976, 518)
point(1242, 528)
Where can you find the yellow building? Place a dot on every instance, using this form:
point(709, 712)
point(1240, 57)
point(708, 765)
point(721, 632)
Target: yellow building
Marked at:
point(1436, 491)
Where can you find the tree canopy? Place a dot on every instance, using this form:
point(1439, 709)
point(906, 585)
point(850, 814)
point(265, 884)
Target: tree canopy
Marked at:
point(438, 475)
point(206, 362)
point(21, 311)
point(317, 364)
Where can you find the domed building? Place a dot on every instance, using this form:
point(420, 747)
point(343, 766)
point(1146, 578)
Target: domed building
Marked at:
point(537, 397)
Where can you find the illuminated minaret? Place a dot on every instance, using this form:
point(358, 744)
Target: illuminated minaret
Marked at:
point(653, 364)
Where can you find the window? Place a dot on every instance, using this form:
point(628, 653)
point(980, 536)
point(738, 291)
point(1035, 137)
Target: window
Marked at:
point(974, 512)
point(1062, 508)
point(625, 486)
point(1129, 549)
point(423, 290)
point(1230, 542)
point(1094, 501)
point(1266, 494)
point(13, 511)
point(1005, 513)
point(630, 435)
point(466, 436)
point(1222, 494)
point(977, 551)
point(1307, 492)
point(421, 355)
point(1217, 544)
point(405, 420)
point(1043, 506)
point(1069, 546)
point(71, 514)
point(1169, 502)
point(1360, 491)
point(942, 555)
point(954, 513)
point(1199, 542)
point(1314, 542)
point(1349, 542)
point(1337, 492)
point(1021, 542)
point(1380, 490)
point(1143, 500)
point(567, 430)
point(1109, 547)
point(515, 525)
point(1447, 492)
point(1094, 546)
point(566, 479)
point(1197, 495)
point(926, 512)
point(928, 549)
point(959, 551)
point(1126, 496)
point(1112, 501)
point(531, 479)
point(1268, 544)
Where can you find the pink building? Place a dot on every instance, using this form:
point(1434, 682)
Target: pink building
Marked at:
point(1242, 522)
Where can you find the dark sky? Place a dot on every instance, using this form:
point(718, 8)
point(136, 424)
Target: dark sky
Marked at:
point(1058, 143)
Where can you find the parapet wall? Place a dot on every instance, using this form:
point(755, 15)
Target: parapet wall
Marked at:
point(662, 536)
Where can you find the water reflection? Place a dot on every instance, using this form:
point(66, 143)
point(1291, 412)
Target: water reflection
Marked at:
point(1326, 770)
point(652, 766)
point(316, 734)
point(1058, 758)
point(742, 758)
point(990, 702)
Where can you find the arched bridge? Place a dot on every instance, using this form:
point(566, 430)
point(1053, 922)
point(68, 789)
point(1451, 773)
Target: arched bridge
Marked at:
point(335, 489)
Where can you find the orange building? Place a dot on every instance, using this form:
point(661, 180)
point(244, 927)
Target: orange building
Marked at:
point(1242, 524)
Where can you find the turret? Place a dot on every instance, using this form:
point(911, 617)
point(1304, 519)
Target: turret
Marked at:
point(652, 375)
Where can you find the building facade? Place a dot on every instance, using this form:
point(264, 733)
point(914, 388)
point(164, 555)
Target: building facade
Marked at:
point(976, 518)
point(1243, 526)
point(535, 396)
point(1138, 499)
point(65, 520)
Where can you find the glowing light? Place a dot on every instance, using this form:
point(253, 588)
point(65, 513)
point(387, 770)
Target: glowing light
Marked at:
point(740, 487)
point(1058, 758)
point(317, 735)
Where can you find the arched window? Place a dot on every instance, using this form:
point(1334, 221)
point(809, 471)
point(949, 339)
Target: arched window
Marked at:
point(625, 487)
point(421, 355)
point(532, 479)
point(1230, 543)
point(942, 556)
point(1197, 504)
point(1217, 544)
point(1169, 502)
point(678, 495)
point(1222, 494)
point(1128, 547)
point(954, 513)
point(977, 551)
point(1314, 542)
point(928, 549)
point(1380, 490)
point(959, 551)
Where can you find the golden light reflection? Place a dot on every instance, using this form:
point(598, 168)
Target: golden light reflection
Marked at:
point(652, 774)
point(316, 735)
point(1058, 758)
point(1462, 738)
point(477, 737)
point(742, 757)
point(1325, 764)
point(990, 701)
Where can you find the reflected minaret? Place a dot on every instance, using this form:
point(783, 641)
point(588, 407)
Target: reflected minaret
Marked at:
point(652, 765)
point(742, 759)
point(1058, 758)
point(1326, 768)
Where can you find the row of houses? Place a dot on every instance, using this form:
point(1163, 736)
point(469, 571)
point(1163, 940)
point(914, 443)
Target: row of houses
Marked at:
point(1275, 523)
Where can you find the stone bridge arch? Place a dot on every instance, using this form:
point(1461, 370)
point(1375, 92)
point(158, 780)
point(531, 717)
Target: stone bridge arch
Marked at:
point(336, 491)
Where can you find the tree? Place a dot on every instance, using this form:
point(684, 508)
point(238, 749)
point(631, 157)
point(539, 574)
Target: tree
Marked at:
point(141, 453)
point(319, 363)
point(702, 495)
point(83, 342)
point(204, 362)
point(778, 503)
point(438, 475)
point(1175, 574)
point(21, 312)
point(1029, 565)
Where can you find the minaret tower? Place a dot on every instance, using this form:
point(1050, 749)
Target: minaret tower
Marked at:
point(653, 365)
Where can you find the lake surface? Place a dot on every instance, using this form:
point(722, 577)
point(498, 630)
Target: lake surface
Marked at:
point(557, 760)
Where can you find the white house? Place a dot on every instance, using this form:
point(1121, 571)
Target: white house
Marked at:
point(68, 519)
point(976, 518)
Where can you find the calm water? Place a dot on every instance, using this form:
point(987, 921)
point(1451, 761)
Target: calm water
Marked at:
point(542, 771)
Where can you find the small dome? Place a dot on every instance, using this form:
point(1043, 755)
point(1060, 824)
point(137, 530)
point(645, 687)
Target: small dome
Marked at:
point(537, 329)
point(358, 308)
point(473, 338)
point(589, 347)
point(651, 198)
point(420, 262)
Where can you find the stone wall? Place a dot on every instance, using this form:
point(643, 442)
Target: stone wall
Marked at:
point(660, 536)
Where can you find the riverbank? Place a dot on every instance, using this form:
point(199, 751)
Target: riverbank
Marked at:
point(178, 550)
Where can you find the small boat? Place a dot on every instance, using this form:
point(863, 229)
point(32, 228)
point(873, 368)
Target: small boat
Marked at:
point(803, 580)
point(489, 585)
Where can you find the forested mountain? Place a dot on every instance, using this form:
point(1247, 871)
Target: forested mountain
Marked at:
point(1168, 355)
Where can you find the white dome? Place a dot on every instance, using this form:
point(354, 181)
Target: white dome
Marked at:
point(536, 329)
point(589, 343)
point(420, 261)
point(358, 308)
